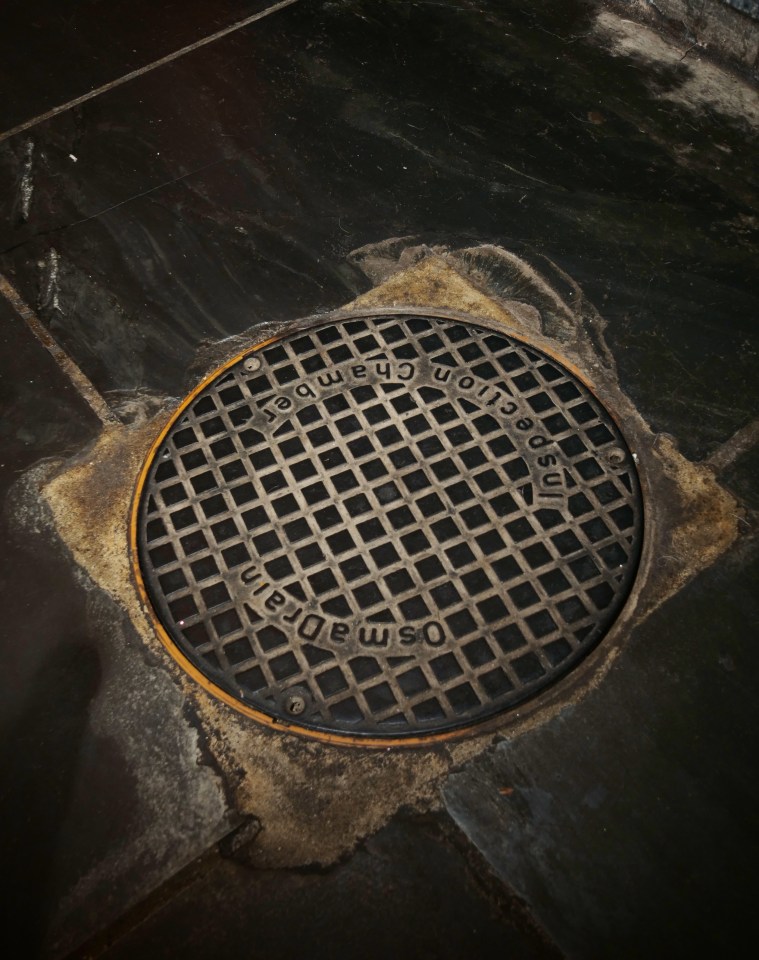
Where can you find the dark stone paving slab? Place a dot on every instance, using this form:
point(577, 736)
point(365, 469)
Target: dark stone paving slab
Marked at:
point(56, 52)
point(408, 893)
point(227, 188)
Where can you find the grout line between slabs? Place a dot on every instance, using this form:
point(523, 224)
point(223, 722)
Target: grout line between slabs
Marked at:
point(81, 383)
point(735, 447)
point(69, 105)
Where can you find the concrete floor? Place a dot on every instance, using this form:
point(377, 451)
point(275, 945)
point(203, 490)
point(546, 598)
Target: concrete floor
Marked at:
point(176, 182)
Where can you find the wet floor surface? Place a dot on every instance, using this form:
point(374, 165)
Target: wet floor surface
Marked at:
point(225, 190)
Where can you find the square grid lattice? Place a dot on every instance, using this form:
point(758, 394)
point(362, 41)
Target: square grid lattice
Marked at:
point(387, 504)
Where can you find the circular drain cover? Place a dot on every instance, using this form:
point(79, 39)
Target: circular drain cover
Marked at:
point(388, 527)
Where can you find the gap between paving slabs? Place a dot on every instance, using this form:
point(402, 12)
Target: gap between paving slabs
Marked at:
point(316, 801)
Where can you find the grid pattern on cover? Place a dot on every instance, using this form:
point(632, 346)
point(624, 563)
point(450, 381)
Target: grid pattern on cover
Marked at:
point(359, 519)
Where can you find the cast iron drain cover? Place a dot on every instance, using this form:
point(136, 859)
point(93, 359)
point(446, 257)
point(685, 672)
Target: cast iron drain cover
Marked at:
point(388, 526)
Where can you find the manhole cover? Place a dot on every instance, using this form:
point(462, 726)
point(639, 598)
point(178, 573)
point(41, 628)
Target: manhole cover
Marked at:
point(389, 526)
